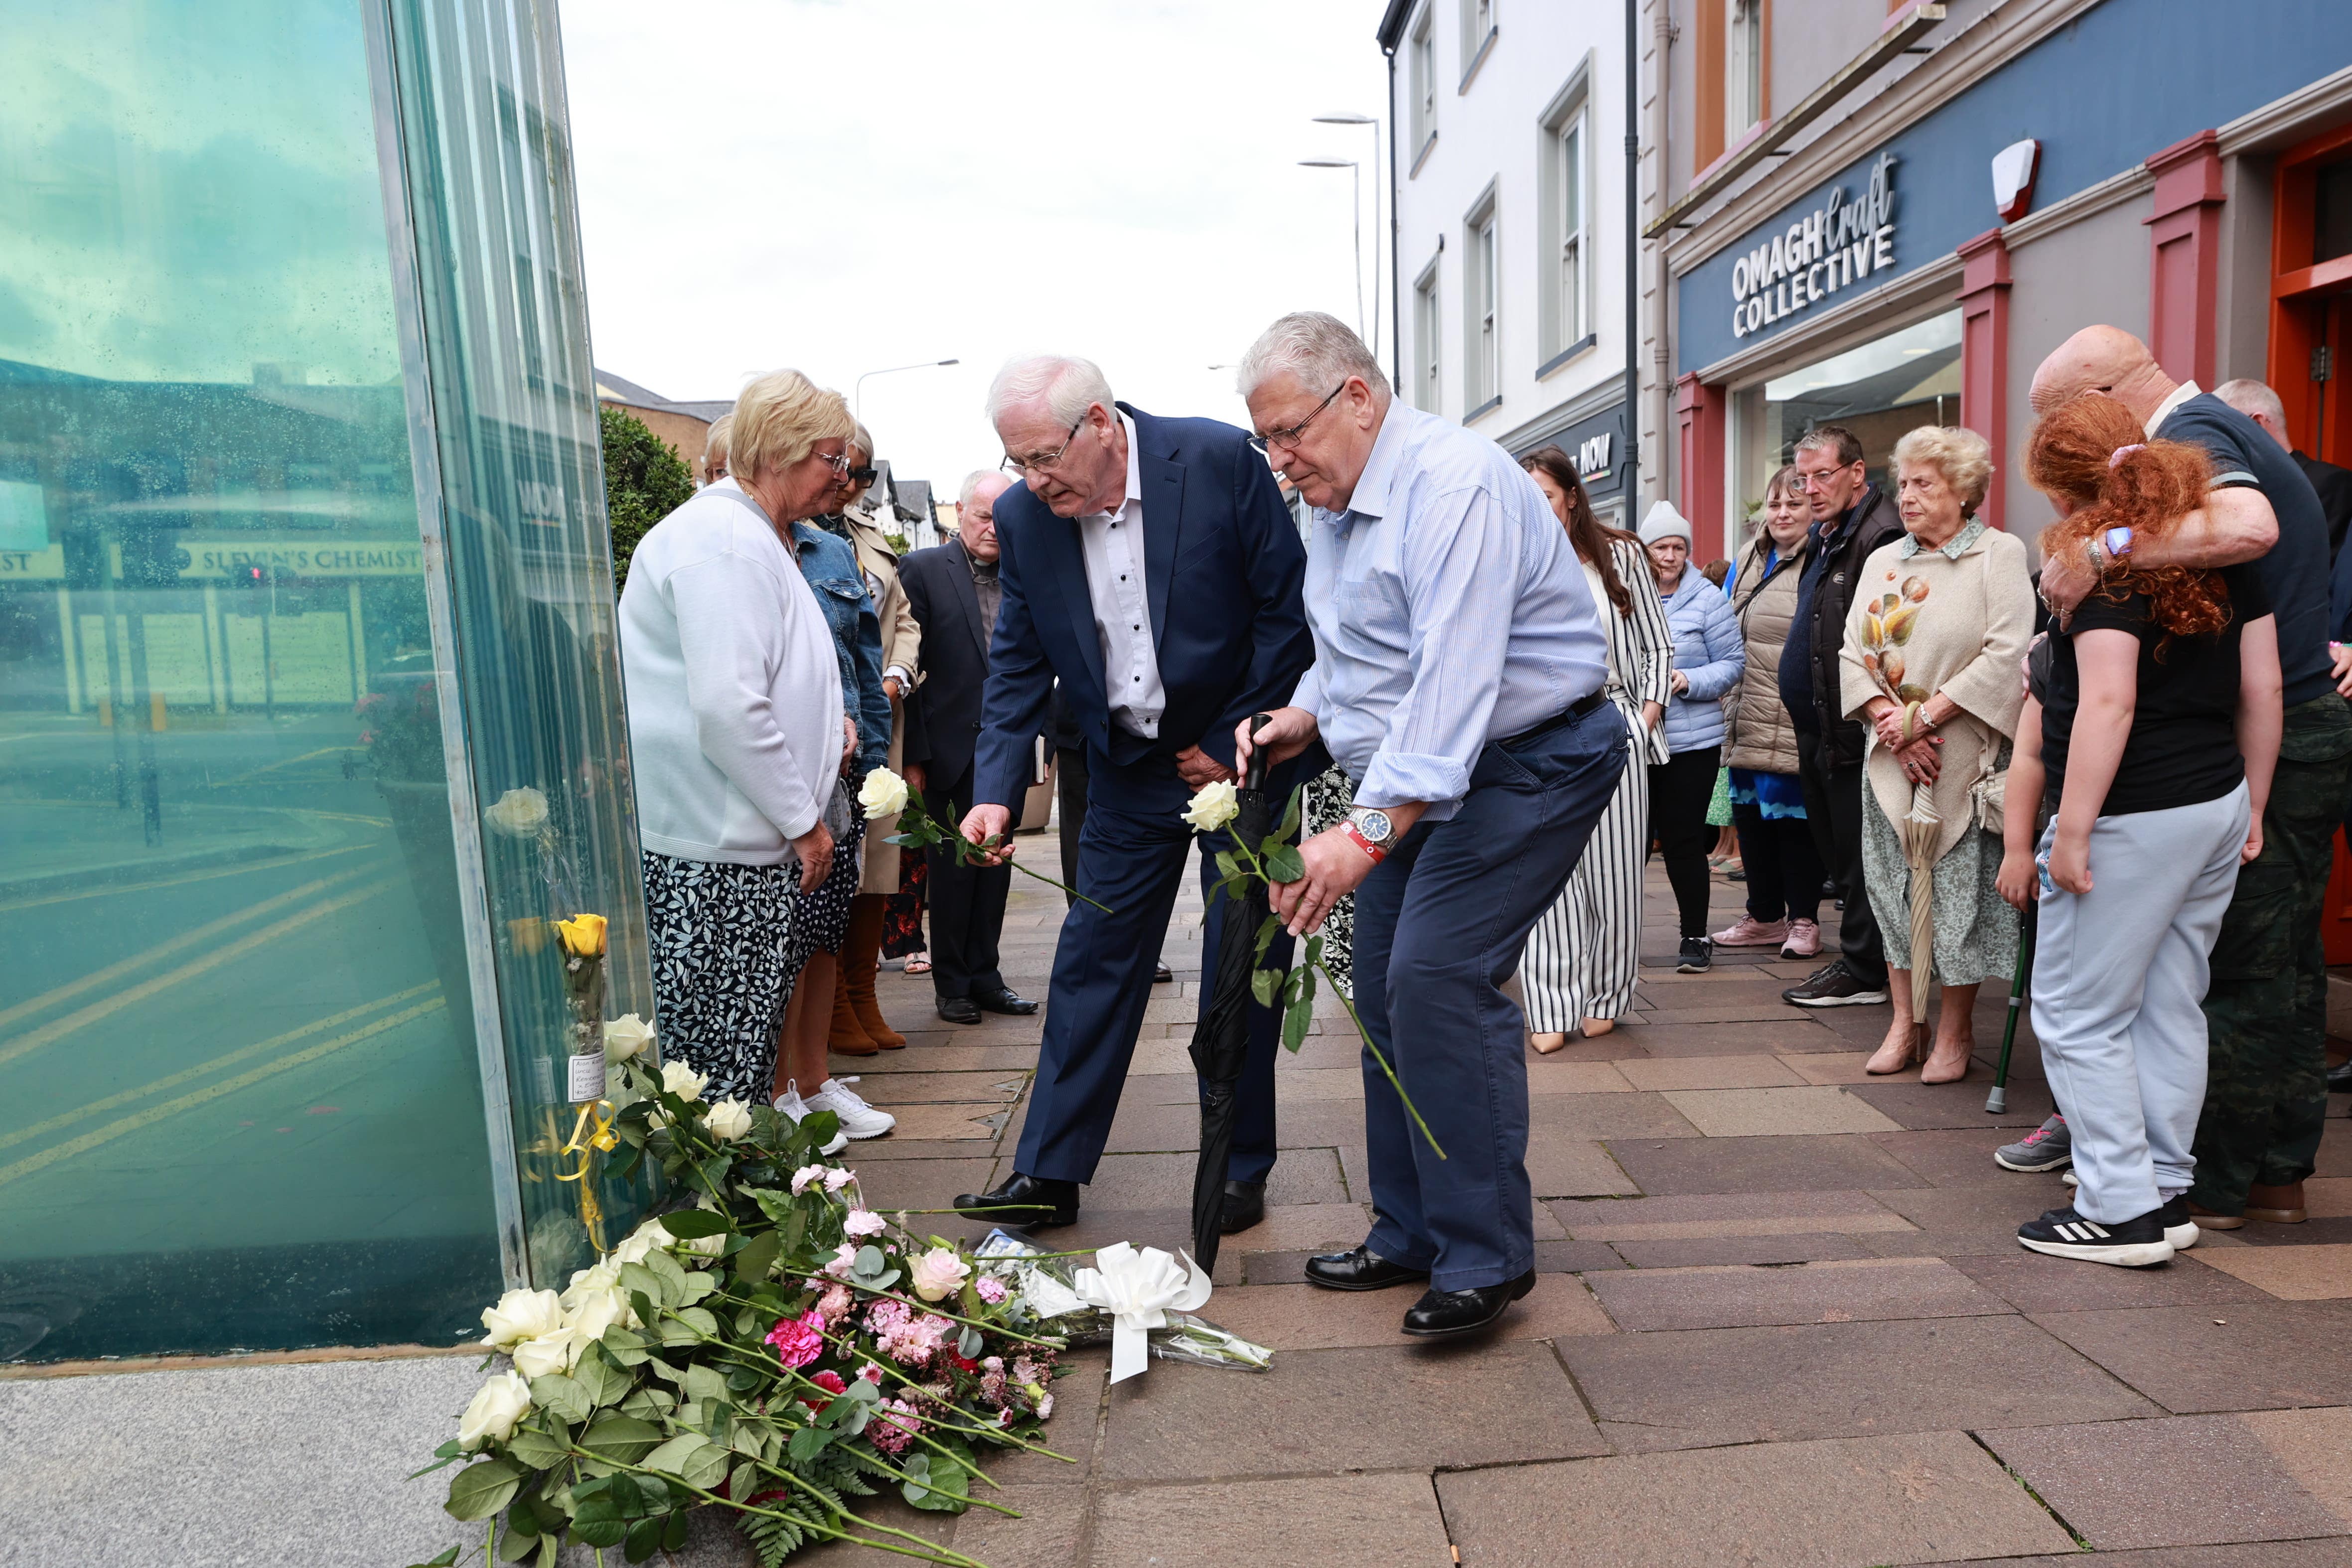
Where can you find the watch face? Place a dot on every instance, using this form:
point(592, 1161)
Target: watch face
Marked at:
point(1373, 824)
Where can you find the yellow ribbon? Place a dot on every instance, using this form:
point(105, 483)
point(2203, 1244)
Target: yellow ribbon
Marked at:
point(586, 1143)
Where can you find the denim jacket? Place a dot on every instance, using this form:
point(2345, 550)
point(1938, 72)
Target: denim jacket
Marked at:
point(831, 568)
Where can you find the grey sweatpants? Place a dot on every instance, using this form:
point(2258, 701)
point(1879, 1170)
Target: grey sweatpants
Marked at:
point(2118, 974)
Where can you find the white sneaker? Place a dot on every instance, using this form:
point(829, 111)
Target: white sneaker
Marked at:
point(858, 1120)
point(790, 1104)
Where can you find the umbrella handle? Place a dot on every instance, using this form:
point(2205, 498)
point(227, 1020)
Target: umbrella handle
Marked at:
point(1253, 776)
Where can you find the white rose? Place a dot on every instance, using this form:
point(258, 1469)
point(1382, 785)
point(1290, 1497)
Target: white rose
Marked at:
point(555, 1351)
point(519, 1315)
point(519, 814)
point(497, 1408)
point(728, 1120)
point(884, 794)
point(626, 1036)
point(938, 1273)
point(682, 1081)
point(595, 1311)
point(586, 1283)
point(1213, 807)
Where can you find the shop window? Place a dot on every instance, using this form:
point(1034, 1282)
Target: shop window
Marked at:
point(2331, 229)
point(1879, 391)
point(1564, 313)
point(1428, 342)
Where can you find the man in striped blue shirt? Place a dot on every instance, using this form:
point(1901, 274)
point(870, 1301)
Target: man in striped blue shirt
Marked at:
point(1458, 678)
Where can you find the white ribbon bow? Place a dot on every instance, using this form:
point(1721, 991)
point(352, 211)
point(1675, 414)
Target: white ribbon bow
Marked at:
point(1138, 1290)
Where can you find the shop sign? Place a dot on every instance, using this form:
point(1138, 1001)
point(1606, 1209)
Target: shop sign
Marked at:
point(1592, 455)
point(1831, 247)
point(360, 558)
point(33, 565)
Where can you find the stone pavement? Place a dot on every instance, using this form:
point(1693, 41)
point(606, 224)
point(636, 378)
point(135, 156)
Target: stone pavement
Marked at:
point(1780, 1318)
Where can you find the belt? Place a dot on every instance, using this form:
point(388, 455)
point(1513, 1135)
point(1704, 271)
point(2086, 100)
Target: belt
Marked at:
point(1570, 714)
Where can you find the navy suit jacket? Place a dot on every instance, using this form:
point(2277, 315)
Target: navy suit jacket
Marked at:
point(1222, 572)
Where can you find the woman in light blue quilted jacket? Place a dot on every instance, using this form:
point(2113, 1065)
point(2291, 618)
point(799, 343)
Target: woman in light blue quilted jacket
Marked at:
point(1709, 657)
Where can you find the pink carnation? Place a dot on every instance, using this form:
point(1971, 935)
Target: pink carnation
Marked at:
point(864, 1222)
point(842, 1261)
point(886, 1316)
point(798, 1341)
point(830, 1381)
point(894, 1426)
point(834, 1303)
point(991, 1290)
point(872, 1372)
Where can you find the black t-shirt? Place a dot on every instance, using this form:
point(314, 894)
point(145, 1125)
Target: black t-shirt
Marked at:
point(2183, 747)
point(2295, 571)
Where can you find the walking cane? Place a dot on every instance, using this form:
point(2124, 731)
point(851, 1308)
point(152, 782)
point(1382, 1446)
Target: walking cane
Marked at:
point(2020, 984)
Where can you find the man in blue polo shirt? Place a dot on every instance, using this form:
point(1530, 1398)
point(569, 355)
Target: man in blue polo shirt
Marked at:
point(2266, 1004)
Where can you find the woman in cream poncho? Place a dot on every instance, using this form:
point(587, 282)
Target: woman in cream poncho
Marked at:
point(1939, 621)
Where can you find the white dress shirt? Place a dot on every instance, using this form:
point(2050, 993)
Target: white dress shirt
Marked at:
point(1112, 544)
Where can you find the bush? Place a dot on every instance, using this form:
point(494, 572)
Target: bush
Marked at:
point(644, 481)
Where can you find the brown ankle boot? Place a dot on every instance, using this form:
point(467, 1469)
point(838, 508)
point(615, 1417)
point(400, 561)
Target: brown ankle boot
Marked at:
point(861, 955)
point(846, 1037)
point(2278, 1205)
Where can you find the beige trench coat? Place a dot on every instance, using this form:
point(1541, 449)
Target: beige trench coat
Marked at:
point(902, 646)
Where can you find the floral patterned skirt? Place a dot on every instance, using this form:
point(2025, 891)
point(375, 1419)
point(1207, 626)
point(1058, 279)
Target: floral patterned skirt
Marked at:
point(720, 934)
point(821, 919)
point(1330, 797)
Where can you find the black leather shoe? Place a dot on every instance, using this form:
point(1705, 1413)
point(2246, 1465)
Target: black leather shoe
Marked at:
point(2339, 1078)
point(1245, 1205)
point(1002, 1000)
point(959, 1010)
point(1030, 1202)
point(1359, 1268)
point(1161, 974)
point(1440, 1314)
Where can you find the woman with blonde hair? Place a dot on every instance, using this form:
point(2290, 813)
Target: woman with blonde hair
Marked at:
point(737, 732)
point(1939, 620)
point(2155, 722)
point(1582, 955)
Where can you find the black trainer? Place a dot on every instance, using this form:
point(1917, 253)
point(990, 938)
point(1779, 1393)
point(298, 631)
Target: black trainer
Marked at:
point(2180, 1225)
point(2138, 1242)
point(1697, 956)
point(1834, 986)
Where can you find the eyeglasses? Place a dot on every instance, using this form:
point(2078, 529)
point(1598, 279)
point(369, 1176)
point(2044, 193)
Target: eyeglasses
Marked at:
point(1018, 466)
point(836, 461)
point(1289, 438)
point(864, 475)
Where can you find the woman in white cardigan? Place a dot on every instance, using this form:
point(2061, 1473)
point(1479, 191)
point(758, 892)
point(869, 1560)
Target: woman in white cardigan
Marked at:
point(1582, 955)
point(737, 731)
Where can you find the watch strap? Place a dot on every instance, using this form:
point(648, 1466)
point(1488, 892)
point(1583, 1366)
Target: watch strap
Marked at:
point(1365, 845)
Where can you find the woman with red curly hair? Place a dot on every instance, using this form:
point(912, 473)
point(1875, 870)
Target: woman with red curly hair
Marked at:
point(2151, 730)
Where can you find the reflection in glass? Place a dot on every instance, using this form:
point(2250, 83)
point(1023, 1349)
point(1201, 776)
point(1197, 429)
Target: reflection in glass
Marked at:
point(244, 1105)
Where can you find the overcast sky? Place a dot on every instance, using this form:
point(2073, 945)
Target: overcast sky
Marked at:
point(848, 185)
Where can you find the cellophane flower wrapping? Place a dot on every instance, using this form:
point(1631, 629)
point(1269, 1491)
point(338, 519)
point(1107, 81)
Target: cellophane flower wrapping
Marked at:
point(1046, 1286)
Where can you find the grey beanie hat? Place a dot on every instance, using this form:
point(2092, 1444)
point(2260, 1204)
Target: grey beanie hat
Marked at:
point(1665, 523)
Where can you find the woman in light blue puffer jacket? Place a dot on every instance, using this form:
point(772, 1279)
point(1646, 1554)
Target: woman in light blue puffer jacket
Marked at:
point(1709, 657)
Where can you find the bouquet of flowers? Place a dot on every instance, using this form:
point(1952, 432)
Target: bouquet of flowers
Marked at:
point(885, 794)
point(1138, 1296)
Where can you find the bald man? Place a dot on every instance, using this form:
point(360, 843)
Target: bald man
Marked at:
point(2266, 1002)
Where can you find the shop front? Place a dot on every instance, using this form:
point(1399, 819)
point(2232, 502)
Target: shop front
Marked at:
point(1915, 263)
point(1594, 439)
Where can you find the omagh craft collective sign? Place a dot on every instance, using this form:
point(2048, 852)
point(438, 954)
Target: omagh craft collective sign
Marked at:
point(1831, 248)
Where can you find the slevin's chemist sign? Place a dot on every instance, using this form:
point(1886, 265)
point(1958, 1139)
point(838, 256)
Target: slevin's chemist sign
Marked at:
point(1833, 247)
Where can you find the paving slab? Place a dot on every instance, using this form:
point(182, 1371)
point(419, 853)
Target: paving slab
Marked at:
point(1962, 1157)
point(1047, 1534)
point(1334, 1521)
point(1797, 1035)
point(1711, 1215)
point(1695, 1388)
point(1744, 1071)
point(1634, 1115)
point(1764, 1113)
point(1321, 1411)
point(1649, 1300)
point(1161, 1181)
point(1839, 1066)
point(1307, 1317)
point(1707, 1252)
point(2314, 1448)
point(2256, 1355)
point(893, 1091)
point(1561, 1165)
point(1953, 1220)
point(2097, 1476)
point(962, 1123)
point(1550, 1075)
point(921, 1184)
point(2307, 1273)
point(2033, 1282)
point(1803, 1163)
point(1922, 1105)
point(1841, 1504)
point(2335, 1553)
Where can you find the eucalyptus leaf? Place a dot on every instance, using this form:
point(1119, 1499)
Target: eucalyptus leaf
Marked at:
point(479, 1491)
point(968, 1345)
point(946, 1487)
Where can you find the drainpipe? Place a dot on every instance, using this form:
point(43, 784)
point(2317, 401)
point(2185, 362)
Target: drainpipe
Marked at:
point(1633, 461)
point(1661, 413)
point(1396, 289)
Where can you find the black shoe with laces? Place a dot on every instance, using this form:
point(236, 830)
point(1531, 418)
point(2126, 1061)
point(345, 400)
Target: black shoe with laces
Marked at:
point(1834, 986)
point(2136, 1243)
point(1697, 956)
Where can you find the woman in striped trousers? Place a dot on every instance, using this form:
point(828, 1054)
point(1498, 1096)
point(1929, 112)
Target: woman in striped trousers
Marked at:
point(1582, 955)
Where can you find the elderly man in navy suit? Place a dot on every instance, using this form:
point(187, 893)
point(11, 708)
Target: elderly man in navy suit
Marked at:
point(1150, 564)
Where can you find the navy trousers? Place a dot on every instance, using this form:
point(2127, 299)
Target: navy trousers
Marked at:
point(1131, 854)
point(1440, 925)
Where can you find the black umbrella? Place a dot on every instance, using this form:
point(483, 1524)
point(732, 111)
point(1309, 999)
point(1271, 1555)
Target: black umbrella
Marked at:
point(1220, 1040)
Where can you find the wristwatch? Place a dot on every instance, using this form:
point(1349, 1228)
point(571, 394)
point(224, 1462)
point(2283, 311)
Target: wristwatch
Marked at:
point(2118, 540)
point(1373, 832)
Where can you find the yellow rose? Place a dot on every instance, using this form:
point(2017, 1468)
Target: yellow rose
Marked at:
point(584, 935)
point(529, 935)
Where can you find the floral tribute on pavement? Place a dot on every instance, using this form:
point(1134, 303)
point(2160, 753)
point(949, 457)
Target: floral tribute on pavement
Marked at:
point(780, 1350)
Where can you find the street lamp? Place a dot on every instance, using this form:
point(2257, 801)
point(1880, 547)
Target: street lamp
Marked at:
point(1375, 124)
point(1356, 186)
point(857, 390)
